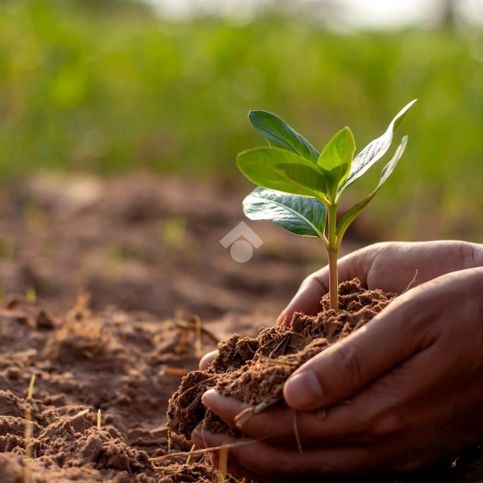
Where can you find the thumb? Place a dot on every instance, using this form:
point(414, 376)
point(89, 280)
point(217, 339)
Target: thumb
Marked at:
point(349, 365)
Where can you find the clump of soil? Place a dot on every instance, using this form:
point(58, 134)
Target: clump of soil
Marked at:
point(254, 369)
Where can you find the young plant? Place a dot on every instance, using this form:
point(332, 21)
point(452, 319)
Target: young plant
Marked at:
point(300, 189)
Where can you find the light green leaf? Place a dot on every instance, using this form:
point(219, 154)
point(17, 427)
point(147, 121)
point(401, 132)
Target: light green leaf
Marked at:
point(374, 151)
point(281, 135)
point(298, 214)
point(336, 158)
point(388, 169)
point(281, 170)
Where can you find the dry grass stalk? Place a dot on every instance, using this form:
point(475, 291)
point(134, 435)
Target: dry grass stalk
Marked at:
point(161, 459)
point(188, 459)
point(198, 340)
point(79, 415)
point(244, 415)
point(174, 371)
point(28, 430)
point(191, 388)
point(30, 390)
point(223, 463)
point(281, 345)
point(413, 280)
point(296, 432)
point(278, 362)
point(181, 344)
point(181, 324)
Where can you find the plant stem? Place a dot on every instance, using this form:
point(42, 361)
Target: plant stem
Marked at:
point(333, 280)
point(333, 251)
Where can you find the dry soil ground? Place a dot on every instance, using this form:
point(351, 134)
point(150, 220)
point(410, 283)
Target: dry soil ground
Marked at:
point(147, 252)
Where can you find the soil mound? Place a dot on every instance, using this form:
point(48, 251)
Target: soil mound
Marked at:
point(254, 369)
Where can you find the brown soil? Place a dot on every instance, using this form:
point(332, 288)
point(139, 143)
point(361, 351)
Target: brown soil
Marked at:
point(83, 363)
point(143, 243)
point(147, 251)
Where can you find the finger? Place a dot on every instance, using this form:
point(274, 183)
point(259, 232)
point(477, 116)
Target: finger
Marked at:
point(257, 457)
point(275, 424)
point(351, 364)
point(366, 417)
point(225, 407)
point(307, 298)
point(207, 359)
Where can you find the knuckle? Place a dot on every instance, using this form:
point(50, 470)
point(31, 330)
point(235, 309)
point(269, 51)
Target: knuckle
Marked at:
point(467, 255)
point(380, 245)
point(379, 248)
point(360, 425)
point(310, 279)
point(349, 364)
point(388, 424)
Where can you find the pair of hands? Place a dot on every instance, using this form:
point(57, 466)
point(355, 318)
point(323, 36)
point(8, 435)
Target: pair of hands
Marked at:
point(403, 392)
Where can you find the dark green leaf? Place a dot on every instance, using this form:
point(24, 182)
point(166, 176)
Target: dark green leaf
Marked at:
point(388, 169)
point(281, 135)
point(374, 151)
point(298, 214)
point(281, 170)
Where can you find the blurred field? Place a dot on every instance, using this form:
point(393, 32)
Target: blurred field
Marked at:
point(113, 90)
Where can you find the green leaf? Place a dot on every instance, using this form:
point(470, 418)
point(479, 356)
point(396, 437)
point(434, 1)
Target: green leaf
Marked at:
point(336, 158)
point(298, 214)
point(374, 151)
point(388, 169)
point(281, 170)
point(281, 135)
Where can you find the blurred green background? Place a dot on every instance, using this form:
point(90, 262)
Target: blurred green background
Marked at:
point(109, 88)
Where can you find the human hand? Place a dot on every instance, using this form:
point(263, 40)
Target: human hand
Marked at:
point(390, 266)
point(414, 376)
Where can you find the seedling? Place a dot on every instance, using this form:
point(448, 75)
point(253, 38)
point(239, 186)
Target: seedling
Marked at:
point(300, 188)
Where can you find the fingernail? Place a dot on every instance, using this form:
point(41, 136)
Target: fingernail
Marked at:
point(303, 390)
point(207, 396)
